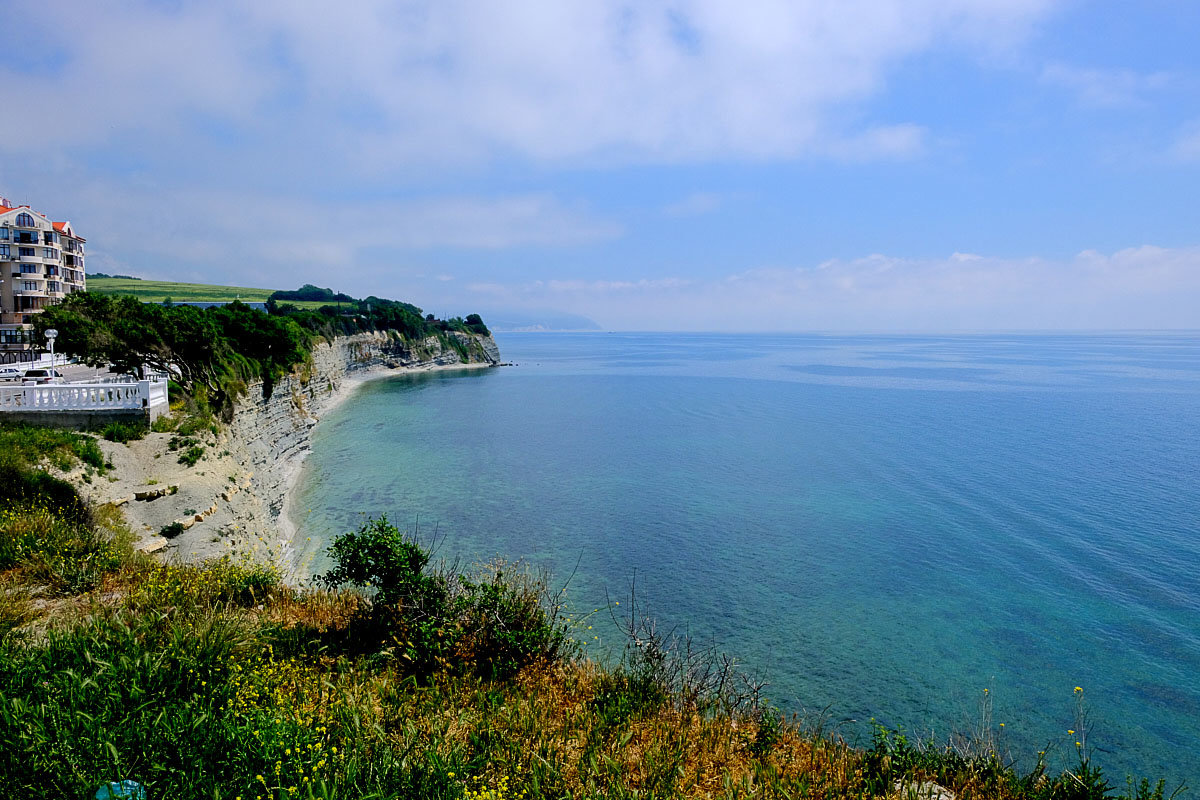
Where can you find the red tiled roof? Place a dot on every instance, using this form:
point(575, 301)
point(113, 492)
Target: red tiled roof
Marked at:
point(58, 226)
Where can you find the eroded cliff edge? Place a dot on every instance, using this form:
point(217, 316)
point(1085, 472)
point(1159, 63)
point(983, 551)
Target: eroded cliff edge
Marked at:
point(234, 500)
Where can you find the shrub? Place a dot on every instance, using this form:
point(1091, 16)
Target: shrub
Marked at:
point(379, 557)
point(124, 432)
point(429, 622)
point(23, 486)
point(89, 452)
point(191, 455)
point(214, 583)
point(171, 530)
point(505, 624)
point(69, 555)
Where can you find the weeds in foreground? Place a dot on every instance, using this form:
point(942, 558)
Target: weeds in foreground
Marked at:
point(30, 446)
point(53, 547)
point(217, 681)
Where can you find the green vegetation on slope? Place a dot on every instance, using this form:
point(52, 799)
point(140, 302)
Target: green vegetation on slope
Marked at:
point(400, 680)
point(213, 353)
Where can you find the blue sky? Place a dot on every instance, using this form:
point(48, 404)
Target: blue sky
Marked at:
point(662, 164)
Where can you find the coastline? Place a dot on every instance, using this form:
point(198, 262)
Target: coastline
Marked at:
point(288, 525)
point(236, 500)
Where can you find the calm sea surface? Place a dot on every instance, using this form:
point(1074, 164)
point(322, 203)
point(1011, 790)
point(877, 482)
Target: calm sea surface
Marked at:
point(884, 525)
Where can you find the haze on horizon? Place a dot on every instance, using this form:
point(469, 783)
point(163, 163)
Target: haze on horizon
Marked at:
point(658, 165)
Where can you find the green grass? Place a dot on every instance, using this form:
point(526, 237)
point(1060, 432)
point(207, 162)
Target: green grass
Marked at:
point(217, 681)
point(158, 291)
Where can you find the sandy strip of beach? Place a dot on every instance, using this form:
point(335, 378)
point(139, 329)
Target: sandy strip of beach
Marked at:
point(289, 524)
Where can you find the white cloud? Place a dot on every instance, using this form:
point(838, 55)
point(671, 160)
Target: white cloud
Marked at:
point(1137, 288)
point(390, 83)
point(209, 236)
point(1106, 88)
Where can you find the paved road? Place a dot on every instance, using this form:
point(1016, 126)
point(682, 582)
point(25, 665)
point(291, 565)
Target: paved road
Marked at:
point(81, 373)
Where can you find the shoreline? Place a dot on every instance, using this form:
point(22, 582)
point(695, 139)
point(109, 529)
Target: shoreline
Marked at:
point(236, 500)
point(288, 525)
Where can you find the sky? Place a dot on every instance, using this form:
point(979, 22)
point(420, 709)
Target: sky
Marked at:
point(842, 165)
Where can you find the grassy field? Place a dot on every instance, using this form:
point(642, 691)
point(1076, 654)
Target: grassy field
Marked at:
point(157, 291)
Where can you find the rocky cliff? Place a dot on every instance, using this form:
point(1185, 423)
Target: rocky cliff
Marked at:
point(270, 432)
point(234, 500)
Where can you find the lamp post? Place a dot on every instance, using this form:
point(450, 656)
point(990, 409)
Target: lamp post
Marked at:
point(51, 335)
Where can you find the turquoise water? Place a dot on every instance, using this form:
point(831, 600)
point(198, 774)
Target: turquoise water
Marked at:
point(884, 525)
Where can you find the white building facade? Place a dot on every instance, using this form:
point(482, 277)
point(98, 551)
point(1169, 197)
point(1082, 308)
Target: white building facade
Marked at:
point(41, 262)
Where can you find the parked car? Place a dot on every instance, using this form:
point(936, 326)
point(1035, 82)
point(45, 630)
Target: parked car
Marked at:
point(12, 373)
point(35, 376)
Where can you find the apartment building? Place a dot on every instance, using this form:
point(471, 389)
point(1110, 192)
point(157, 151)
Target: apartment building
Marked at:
point(41, 262)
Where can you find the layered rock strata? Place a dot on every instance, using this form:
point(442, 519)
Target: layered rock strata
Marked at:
point(234, 500)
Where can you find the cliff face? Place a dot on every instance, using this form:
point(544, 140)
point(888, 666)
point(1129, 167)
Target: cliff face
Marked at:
point(234, 501)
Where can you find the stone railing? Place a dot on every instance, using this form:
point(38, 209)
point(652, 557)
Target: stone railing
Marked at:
point(84, 396)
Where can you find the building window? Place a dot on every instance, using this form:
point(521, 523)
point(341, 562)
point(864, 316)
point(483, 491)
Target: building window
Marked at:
point(31, 269)
point(49, 252)
point(24, 220)
point(26, 251)
point(50, 237)
point(53, 286)
point(31, 286)
point(3, 250)
point(3, 234)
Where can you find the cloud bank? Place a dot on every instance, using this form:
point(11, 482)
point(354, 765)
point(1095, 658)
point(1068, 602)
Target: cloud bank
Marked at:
point(1137, 288)
point(390, 83)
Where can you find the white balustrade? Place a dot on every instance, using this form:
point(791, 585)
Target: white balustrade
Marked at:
point(83, 396)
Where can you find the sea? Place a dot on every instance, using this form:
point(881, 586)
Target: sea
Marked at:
point(946, 534)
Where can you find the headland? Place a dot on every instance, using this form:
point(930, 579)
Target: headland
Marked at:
point(234, 501)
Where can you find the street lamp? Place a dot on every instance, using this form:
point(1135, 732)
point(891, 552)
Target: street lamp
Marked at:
point(51, 335)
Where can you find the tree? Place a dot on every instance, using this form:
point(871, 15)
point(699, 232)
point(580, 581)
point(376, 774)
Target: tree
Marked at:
point(218, 349)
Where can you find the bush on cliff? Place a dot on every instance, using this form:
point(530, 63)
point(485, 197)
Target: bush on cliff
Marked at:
point(48, 533)
point(219, 350)
point(214, 349)
point(430, 620)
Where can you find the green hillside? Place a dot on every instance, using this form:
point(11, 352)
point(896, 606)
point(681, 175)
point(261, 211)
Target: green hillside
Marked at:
point(157, 291)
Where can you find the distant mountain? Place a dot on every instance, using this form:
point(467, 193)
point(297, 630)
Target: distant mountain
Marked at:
point(511, 321)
